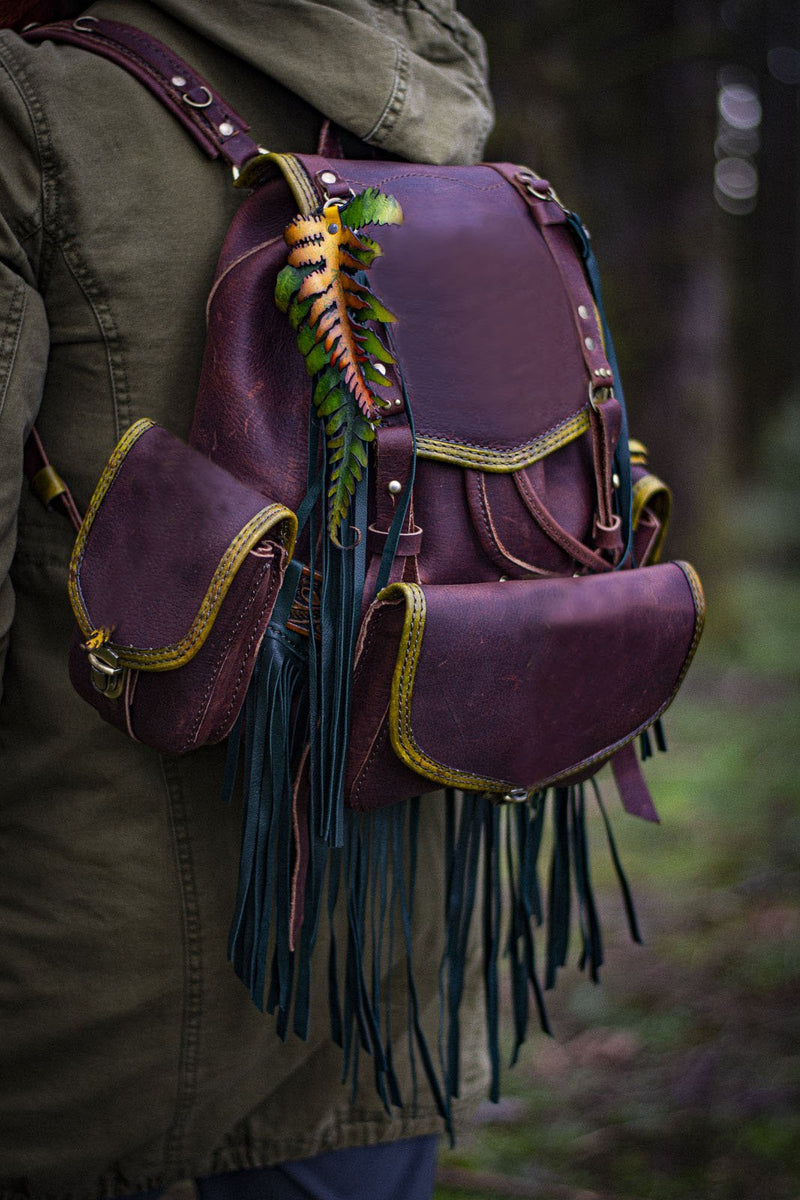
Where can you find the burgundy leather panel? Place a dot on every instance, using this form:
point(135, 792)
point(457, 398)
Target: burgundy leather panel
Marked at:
point(196, 704)
point(255, 393)
point(374, 774)
point(157, 539)
point(455, 348)
point(527, 682)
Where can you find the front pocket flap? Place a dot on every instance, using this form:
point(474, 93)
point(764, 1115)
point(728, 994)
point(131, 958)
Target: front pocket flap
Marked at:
point(165, 534)
point(522, 683)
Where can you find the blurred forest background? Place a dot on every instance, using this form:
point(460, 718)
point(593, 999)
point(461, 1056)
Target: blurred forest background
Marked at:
point(674, 130)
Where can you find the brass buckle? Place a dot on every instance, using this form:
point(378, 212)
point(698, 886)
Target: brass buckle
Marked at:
point(107, 674)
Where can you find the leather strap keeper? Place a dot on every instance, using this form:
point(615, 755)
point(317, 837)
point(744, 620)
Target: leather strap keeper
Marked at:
point(408, 544)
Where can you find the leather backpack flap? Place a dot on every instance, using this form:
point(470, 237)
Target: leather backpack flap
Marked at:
point(515, 686)
point(490, 357)
point(172, 581)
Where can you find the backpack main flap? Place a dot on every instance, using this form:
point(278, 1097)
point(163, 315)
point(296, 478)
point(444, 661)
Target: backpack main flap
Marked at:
point(485, 336)
point(520, 684)
point(165, 536)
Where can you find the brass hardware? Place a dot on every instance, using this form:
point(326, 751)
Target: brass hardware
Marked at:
point(107, 676)
point(209, 99)
point(47, 485)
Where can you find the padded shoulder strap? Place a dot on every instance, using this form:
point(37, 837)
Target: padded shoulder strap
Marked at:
point(211, 121)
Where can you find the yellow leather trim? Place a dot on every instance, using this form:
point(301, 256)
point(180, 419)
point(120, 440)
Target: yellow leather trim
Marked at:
point(400, 731)
point(638, 452)
point(649, 491)
point(118, 455)
point(297, 178)
point(166, 658)
point(488, 459)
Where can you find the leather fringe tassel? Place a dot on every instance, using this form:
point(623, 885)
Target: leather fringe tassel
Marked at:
point(367, 886)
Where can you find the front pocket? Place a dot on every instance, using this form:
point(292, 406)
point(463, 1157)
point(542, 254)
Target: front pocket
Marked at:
point(517, 685)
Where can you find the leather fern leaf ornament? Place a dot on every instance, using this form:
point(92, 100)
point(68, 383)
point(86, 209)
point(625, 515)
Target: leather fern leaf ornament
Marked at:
point(323, 290)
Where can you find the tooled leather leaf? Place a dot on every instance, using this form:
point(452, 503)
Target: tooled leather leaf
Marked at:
point(326, 247)
point(323, 289)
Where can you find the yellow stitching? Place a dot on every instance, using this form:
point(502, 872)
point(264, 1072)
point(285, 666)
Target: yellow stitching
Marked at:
point(296, 177)
point(103, 484)
point(489, 459)
point(400, 729)
point(402, 736)
point(167, 657)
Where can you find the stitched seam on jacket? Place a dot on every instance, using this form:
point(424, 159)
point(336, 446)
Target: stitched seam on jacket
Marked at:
point(175, 1150)
point(11, 337)
point(48, 164)
point(101, 310)
point(397, 98)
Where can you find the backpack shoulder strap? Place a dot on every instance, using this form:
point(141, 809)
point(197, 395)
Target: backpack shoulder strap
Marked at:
point(216, 127)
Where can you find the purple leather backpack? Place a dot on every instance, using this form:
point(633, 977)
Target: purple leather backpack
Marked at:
point(422, 556)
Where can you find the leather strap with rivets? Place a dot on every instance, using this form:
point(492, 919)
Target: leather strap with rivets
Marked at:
point(551, 217)
point(216, 127)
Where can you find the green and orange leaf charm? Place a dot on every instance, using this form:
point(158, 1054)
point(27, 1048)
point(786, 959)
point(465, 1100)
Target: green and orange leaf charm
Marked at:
point(324, 292)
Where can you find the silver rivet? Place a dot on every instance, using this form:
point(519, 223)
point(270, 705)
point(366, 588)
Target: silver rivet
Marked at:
point(395, 487)
point(398, 401)
point(589, 343)
point(380, 368)
point(328, 177)
point(178, 81)
point(615, 479)
point(226, 129)
point(333, 229)
point(583, 312)
point(503, 579)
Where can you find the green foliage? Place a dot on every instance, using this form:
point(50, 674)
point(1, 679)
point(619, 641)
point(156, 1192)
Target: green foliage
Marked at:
point(323, 291)
point(371, 207)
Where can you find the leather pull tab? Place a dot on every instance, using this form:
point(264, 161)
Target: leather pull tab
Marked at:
point(633, 791)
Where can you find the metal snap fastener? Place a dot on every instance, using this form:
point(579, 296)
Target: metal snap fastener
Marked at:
point(226, 129)
point(178, 81)
point(395, 487)
point(328, 177)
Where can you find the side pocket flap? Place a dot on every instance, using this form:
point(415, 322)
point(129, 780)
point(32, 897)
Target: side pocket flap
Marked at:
point(523, 683)
point(165, 535)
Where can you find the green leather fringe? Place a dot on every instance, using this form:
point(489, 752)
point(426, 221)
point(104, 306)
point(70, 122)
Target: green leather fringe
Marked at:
point(367, 887)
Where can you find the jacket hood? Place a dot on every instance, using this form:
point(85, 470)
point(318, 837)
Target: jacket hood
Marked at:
point(407, 76)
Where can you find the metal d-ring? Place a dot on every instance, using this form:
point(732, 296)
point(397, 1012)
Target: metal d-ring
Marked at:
point(84, 28)
point(199, 103)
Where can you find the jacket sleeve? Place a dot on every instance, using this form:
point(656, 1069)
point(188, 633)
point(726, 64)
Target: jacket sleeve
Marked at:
point(24, 339)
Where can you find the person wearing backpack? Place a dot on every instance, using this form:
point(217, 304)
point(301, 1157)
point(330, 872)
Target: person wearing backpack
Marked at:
point(130, 1056)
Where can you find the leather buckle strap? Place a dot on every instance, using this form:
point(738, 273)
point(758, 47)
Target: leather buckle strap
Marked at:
point(45, 482)
point(216, 127)
point(551, 218)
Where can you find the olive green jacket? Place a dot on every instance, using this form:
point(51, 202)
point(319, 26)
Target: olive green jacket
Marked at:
point(130, 1055)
